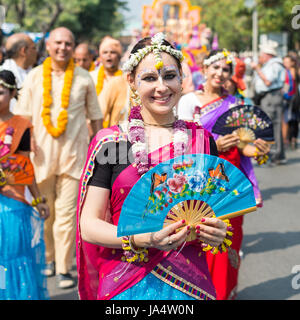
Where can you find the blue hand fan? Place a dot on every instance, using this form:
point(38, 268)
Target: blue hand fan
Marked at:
point(248, 121)
point(188, 187)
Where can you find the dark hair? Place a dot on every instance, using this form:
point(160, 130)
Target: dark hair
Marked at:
point(147, 42)
point(8, 77)
point(214, 52)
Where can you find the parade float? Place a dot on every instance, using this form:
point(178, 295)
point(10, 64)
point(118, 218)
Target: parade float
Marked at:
point(181, 22)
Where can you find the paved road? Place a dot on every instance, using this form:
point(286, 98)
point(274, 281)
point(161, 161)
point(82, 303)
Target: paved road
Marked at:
point(271, 245)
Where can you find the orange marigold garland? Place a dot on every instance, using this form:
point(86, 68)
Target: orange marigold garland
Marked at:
point(62, 119)
point(101, 77)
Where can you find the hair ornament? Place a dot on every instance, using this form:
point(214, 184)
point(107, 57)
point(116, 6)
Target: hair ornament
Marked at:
point(156, 47)
point(219, 56)
point(7, 85)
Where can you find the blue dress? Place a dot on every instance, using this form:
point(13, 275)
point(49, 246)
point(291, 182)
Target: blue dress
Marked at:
point(152, 288)
point(22, 252)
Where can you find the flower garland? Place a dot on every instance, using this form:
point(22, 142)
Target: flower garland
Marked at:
point(156, 47)
point(92, 66)
point(225, 54)
point(62, 119)
point(136, 136)
point(101, 77)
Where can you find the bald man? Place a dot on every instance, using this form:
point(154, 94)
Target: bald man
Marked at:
point(83, 57)
point(22, 55)
point(58, 160)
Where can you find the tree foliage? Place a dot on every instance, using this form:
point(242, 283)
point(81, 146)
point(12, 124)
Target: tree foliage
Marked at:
point(88, 19)
point(232, 20)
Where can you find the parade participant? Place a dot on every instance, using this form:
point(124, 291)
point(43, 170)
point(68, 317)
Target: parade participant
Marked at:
point(155, 77)
point(58, 96)
point(115, 102)
point(83, 57)
point(21, 56)
point(268, 84)
point(205, 106)
point(21, 236)
point(236, 86)
point(291, 103)
point(110, 52)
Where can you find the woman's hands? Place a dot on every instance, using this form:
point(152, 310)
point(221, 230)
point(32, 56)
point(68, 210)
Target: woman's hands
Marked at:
point(165, 239)
point(224, 143)
point(43, 210)
point(262, 146)
point(211, 231)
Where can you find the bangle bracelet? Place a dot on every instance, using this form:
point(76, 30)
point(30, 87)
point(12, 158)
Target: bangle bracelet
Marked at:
point(38, 200)
point(226, 242)
point(132, 254)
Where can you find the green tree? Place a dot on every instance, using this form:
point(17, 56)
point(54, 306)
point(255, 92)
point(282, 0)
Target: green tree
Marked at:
point(232, 21)
point(88, 19)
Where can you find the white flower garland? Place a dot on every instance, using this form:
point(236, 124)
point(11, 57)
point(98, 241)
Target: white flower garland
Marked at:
point(156, 48)
point(219, 56)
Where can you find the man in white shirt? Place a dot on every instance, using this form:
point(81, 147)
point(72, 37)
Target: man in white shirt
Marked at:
point(268, 83)
point(22, 54)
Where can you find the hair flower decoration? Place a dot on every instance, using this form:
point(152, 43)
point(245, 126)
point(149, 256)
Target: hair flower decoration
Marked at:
point(156, 47)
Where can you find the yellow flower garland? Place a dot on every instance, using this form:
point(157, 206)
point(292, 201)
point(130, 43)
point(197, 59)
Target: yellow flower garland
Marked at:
point(62, 119)
point(92, 66)
point(101, 77)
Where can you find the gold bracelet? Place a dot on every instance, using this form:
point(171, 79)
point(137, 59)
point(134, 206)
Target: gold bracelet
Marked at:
point(38, 200)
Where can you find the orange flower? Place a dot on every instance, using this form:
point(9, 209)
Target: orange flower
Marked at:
point(62, 119)
point(101, 77)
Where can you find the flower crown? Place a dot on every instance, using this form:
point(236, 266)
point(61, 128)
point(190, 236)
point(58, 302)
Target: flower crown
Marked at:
point(156, 47)
point(219, 56)
point(7, 85)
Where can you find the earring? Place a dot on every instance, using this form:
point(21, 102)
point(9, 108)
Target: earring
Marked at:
point(135, 97)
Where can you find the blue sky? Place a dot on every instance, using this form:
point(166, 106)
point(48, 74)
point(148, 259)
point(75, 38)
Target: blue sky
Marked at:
point(134, 14)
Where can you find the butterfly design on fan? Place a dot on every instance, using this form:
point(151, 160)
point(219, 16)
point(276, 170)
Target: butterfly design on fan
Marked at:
point(157, 180)
point(219, 172)
point(202, 189)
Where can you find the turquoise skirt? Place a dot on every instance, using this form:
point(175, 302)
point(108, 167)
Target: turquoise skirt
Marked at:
point(22, 252)
point(151, 288)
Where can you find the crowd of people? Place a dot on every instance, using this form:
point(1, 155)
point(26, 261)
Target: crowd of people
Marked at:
point(67, 112)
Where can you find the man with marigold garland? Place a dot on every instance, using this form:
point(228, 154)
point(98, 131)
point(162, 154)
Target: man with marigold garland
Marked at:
point(110, 52)
point(57, 97)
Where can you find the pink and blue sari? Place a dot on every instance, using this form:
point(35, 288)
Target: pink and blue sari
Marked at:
point(224, 267)
point(169, 275)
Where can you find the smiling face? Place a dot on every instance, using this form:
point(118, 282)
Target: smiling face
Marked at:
point(218, 73)
point(159, 90)
point(60, 45)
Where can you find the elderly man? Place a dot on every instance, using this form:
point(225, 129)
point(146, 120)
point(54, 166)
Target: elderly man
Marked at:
point(83, 57)
point(22, 54)
point(110, 52)
point(268, 83)
point(57, 96)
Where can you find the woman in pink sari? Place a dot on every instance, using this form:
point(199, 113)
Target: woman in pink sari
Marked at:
point(117, 158)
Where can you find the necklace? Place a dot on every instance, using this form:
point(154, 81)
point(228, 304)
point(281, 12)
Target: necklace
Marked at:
point(62, 119)
point(167, 125)
point(137, 137)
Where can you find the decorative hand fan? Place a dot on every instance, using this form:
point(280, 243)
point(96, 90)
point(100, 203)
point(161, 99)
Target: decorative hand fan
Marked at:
point(248, 121)
point(16, 170)
point(6, 144)
point(188, 187)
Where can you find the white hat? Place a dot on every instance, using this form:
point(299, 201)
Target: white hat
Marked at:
point(269, 47)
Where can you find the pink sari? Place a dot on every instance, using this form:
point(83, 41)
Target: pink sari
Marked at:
point(101, 272)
